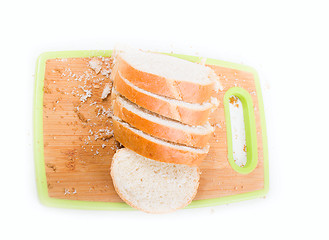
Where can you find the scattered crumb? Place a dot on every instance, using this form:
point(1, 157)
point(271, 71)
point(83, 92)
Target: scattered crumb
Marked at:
point(105, 72)
point(267, 85)
point(67, 191)
point(107, 90)
point(95, 65)
point(52, 166)
point(81, 116)
point(70, 164)
point(245, 148)
point(233, 99)
point(46, 89)
point(87, 94)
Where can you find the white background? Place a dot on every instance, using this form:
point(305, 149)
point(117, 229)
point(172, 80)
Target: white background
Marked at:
point(286, 41)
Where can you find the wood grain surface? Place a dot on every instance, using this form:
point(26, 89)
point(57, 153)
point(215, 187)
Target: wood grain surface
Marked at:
point(79, 142)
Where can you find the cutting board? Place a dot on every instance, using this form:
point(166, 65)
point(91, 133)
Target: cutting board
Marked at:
point(74, 143)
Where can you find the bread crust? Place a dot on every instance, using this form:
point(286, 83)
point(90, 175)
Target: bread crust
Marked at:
point(117, 189)
point(153, 150)
point(165, 108)
point(156, 129)
point(181, 90)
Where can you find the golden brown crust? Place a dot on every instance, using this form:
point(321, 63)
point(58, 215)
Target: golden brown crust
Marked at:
point(177, 112)
point(155, 151)
point(136, 207)
point(158, 130)
point(180, 90)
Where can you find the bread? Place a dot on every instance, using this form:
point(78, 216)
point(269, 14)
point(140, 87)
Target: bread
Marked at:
point(155, 148)
point(188, 113)
point(159, 126)
point(152, 186)
point(160, 105)
point(166, 75)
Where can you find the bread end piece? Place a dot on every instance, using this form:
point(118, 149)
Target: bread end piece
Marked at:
point(152, 186)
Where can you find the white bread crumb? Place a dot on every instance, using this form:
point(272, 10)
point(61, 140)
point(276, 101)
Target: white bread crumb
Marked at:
point(95, 65)
point(106, 91)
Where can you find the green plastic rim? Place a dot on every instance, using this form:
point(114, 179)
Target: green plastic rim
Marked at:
point(40, 170)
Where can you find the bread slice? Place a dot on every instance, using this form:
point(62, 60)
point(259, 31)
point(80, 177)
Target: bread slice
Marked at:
point(155, 148)
point(158, 126)
point(167, 75)
point(188, 113)
point(152, 186)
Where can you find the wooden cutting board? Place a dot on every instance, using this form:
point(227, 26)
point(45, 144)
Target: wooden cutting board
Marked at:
point(74, 142)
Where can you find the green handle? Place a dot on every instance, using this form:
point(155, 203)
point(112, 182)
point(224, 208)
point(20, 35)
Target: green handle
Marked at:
point(250, 129)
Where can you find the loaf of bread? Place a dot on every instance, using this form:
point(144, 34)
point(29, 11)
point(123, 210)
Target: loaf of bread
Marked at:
point(161, 107)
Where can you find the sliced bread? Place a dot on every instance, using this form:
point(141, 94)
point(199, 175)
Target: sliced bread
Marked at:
point(153, 186)
point(159, 126)
point(167, 75)
point(188, 113)
point(155, 148)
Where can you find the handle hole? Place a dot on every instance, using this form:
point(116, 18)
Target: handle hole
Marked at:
point(239, 144)
point(241, 130)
